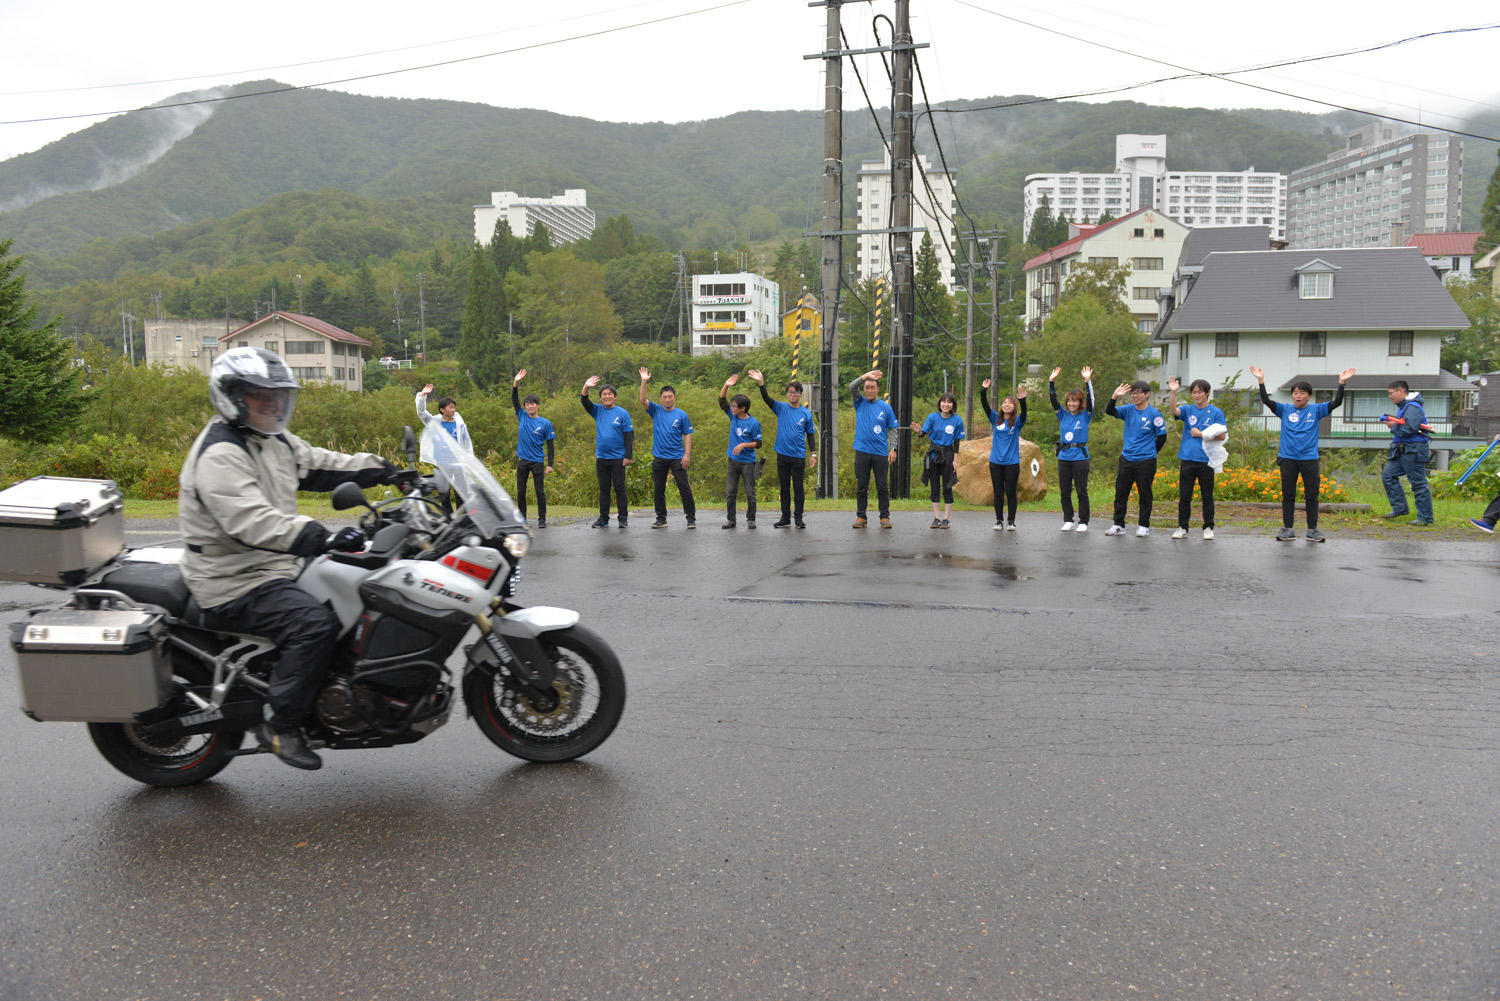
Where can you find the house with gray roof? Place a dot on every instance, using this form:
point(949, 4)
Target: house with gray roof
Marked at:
point(1309, 314)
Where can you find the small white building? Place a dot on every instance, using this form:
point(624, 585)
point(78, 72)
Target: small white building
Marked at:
point(1451, 255)
point(932, 213)
point(314, 350)
point(566, 216)
point(1141, 180)
point(1145, 241)
point(190, 344)
point(734, 312)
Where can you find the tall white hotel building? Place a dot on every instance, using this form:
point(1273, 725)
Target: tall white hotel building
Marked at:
point(1141, 180)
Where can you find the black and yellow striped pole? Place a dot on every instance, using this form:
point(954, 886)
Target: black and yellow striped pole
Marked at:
point(875, 332)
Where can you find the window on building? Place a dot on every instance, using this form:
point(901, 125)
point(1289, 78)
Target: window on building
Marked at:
point(1146, 263)
point(1104, 260)
point(271, 346)
point(1144, 292)
point(306, 347)
point(1227, 345)
point(1317, 286)
point(1158, 233)
point(1401, 343)
point(1145, 326)
point(317, 372)
point(1182, 346)
point(1312, 344)
point(243, 344)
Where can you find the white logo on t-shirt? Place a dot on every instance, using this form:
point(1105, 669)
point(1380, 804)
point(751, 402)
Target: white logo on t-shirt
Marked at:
point(1193, 419)
point(879, 429)
point(1068, 436)
point(948, 429)
point(1159, 422)
point(1293, 418)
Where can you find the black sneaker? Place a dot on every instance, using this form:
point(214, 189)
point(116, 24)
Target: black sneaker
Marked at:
point(750, 524)
point(783, 523)
point(800, 524)
point(659, 523)
point(692, 523)
point(289, 746)
point(728, 524)
point(541, 523)
point(1393, 515)
point(600, 523)
point(624, 522)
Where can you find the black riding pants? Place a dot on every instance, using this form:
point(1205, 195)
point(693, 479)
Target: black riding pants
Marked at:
point(537, 471)
point(660, 468)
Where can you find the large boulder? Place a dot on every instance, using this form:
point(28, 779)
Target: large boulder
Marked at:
point(973, 465)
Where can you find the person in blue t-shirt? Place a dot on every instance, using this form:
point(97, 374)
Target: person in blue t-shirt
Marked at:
point(796, 447)
point(744, 464)
point(614, 448)
point(533, 434)
point(1407, 455)
point(874, 451)
point(1005, 452)
point(1297, 454)
point(671, 452)
point(944, 429)
point(1145, 434)
point(1073, 419)
point(1193, 461)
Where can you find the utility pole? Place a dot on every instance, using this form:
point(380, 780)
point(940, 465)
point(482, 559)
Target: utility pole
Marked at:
point(299, 293)
point(832, 250)
point(682, 294)
point(969, 340)
point(396, 292)
point(421, 312)
point(904, 311)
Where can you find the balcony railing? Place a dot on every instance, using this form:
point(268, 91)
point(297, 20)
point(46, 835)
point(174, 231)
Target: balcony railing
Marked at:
point(1354, 427)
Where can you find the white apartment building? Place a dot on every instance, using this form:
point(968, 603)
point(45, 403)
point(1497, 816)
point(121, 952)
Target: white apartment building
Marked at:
point(734, 312)
point(1387, 183)
point(873, 254)
point(566, 216)
point(1141, 180)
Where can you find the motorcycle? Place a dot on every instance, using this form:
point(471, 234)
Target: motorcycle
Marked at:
point(426, 608)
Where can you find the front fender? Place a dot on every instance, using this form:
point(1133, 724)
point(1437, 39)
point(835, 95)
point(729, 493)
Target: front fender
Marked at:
point(544, 618)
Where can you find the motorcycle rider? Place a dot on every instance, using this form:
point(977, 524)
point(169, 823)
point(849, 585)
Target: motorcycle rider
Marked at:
point(245, 541)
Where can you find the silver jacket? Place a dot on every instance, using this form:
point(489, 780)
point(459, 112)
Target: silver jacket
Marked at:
point(237, 505)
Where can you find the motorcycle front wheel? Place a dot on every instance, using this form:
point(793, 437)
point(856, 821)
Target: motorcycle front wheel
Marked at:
point(184, 761)
point(589, 698)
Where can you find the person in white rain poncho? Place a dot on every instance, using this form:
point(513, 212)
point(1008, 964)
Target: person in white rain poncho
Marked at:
point(443, 434)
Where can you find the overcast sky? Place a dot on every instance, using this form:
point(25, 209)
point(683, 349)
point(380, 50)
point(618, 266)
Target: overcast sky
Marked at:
point(707, 58)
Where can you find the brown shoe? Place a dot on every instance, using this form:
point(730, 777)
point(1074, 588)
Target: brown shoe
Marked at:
point(885, 523)
point(860, 522)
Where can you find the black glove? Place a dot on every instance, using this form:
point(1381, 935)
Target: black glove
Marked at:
point(345, 540)
point(406, 479)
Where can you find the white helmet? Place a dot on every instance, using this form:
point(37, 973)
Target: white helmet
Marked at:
point(265, 376)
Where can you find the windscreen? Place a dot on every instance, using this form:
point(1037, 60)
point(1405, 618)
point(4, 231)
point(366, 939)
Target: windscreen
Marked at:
point(485, 500)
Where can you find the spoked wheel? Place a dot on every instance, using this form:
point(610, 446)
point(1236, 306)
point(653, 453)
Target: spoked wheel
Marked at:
point(179, 762)
point(565, 723)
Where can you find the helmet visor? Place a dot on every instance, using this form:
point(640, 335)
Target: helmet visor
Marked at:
point(268, 410)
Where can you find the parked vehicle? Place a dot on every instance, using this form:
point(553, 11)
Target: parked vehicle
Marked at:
point(426, 609)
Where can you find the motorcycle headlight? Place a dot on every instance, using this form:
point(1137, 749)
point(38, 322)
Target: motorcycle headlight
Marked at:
point(517, 544)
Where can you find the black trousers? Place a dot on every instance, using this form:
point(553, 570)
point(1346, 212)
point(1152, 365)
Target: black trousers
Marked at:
point(611, 473)
point(303, 630)
point(1492, 513)
point(1312, 478)
point(528, 470)
point(1073, 474)
point(737, 473)
point(864, 465)
point(1140, 473)
point(1004, 480)
point(790, 474)
point(1202, 474)
point(941, 475)
point(659, 470)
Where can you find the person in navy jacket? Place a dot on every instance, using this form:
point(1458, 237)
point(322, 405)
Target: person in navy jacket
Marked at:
point(1407, 454)
point(1145, 434)
point(1297, 454)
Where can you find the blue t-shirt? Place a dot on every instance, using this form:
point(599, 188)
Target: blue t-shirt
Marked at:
point(942, 430)
point(1192, 417)
point(1142, 428)
point(742, 430)
point(532, 434)
point(873, 420)
point(1005, 438)
point(667, 430)
point(610, 425)
point(793, 425)
point(1299, 430)
point(1073, 433)
point(451, 427)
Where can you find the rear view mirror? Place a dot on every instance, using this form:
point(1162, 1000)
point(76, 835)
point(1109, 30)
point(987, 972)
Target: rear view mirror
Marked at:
point(409, 445)
point(347, 495)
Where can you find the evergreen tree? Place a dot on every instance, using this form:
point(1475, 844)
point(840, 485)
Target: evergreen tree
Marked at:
point(481, 347)
point(567, 314)
point(39, 394)
point(1039, 233)
point(507, 253)
point(315, 296)
point(367, 312)
point(1489, 216)
point(540, 240)
point(935, 347)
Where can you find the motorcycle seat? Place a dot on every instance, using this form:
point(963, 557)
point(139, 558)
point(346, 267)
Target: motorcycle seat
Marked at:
point(151, 583)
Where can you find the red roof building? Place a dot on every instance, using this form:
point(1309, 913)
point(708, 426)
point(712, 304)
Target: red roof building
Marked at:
point(315, 350)
point(1450, 254)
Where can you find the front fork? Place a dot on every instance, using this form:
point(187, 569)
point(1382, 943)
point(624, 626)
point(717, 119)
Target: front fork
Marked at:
point(511, 647)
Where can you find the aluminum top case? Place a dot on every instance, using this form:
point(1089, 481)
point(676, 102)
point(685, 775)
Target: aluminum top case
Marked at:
point(54, 530)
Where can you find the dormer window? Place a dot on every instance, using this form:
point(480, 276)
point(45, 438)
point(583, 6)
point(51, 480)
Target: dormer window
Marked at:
point(1315, 279)
point(1318, 285)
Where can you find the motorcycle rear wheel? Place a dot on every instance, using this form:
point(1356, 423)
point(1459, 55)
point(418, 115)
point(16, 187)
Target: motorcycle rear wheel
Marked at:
point(185, 762)
point(590, 698)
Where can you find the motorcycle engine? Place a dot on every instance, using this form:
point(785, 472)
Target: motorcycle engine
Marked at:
point(346, 708)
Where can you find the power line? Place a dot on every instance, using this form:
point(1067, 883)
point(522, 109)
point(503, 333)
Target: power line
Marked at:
point(1228, 77)
point(371, 76)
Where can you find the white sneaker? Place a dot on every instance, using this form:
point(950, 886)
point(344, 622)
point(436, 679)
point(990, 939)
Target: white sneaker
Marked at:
point(1180, 533)
point(1010, 526)
point(1068, 526)
point(1083, 526)
point(1208, 534)
point(1141, 532)
point(1115, 530)
point(999, 527)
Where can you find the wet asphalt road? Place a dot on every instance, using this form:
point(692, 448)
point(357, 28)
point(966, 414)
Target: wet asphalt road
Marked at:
point(902, 764)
